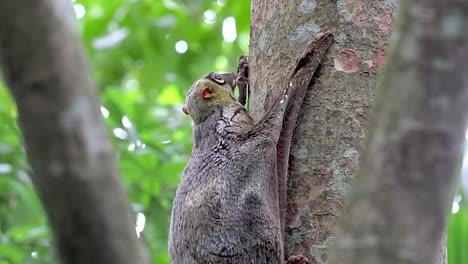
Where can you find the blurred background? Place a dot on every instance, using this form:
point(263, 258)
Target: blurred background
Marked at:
point(144, 55)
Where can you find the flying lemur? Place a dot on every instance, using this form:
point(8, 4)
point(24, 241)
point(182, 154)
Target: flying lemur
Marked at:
point(230, 205)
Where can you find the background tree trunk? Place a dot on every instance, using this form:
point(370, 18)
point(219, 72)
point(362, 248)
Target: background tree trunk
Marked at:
point(443, 258)
point(67, 144)
point(403, 191)
point(334, 116)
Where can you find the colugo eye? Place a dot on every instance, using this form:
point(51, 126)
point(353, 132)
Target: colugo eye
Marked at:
point(217, 78)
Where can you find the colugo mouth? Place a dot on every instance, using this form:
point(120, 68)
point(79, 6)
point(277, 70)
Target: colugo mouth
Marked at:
point(185, 109)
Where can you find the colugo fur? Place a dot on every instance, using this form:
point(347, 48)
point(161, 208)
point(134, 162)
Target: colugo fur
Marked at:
point(229, 207)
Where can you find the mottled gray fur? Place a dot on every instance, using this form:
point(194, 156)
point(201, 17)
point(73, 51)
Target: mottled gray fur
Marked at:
point(227, 206)
point(232, 170)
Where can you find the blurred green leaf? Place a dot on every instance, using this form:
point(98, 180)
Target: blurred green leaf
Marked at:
point(457, 237)
point(170, 95)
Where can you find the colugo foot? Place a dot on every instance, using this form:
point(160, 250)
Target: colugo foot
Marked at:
point(297, 260)
point(242, 80)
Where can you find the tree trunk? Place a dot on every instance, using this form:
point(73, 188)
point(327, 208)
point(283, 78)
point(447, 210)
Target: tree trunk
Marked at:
point(334, 115)
point(443, 259)
point(403, 191)
point(74, 170)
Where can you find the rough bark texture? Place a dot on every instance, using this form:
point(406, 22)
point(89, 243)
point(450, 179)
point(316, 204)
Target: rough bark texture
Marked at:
point(403, 191)
point(443, 259)
point(73, 166)
point(335, 111)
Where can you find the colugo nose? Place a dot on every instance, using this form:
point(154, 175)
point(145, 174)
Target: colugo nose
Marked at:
point(185, 109)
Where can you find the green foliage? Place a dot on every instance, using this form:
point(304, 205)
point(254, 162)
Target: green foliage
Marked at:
point(141, 80)
point(457, 239)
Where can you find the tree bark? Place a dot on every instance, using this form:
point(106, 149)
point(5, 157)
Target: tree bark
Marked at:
point(335, 111)
point(74, 170)
point(403, 191)
point(442, 257)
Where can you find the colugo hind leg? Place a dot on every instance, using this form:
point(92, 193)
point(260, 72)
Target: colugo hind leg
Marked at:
point(242, 80)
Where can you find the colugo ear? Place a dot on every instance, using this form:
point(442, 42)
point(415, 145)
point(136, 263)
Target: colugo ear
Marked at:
point(207, 92)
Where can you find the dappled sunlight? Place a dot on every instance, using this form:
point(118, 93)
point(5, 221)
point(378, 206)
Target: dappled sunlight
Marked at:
point(110, 40)
point(209, 16)
point(181, 46)
point(131, 84)
point(80, 11)
point(464, 170)
point(137, 145)
point(104, 112)
point(229, 29)
point(126, 122)
point(131, 147)
point(120, 133)
point(456, 203)
point(140, 144)
point(5, 168)
point(140, 223)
